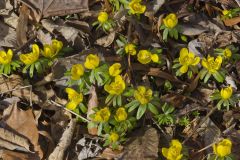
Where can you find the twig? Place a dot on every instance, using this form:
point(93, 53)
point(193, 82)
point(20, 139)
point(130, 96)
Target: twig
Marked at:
point(165, 135)
point(59, 105)
point(208, 146)
point(199, 125)
point(30, 90)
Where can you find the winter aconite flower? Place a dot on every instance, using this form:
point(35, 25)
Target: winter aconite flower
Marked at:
point(187, 59)
point(32, 57)
point(50, 51)
point(174, 151)
point(136, 7)
point(130, 49)
point(225, 12)
point(170, 21)
point(116, 87)
point(115, 69)
point(223, 148)
point(143, 94)
point(121, 114)
point(145, 57)
point(102, 17)
point(102, 115)
point(74, 97)
point(227, 53)
point(226, 93)
point(77, 71)
point(6, 58)
point(92, 61)
point(211, 64)
point(114, 137)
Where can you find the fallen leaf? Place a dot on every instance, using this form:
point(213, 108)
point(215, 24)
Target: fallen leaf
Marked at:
point(106, 40)
point(232, 21)
point(143, 147)
point(92, 103)
point(11, 155)
point(7, 36)
point(22, 26)
point(64, 142)
point(14, 85)
point(23, 123)
point(108, 153)
point(47, 8)
point(192, 30)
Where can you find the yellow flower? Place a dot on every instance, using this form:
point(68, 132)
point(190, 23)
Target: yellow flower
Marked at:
point(113, 137)
point(50, 51)
point(174, 151)
point(102, 17)
point(102, 115)
point(143, 95)
point(115, 69)
point(77, 71)
point(92, 61)
point(226, 93)
point(144, 56)
point(223, 148)
point(212, 65)
point(32, 57)
point(6, 58)
point(171, 20)
point(155, 58)
point(136, 7)
point(187, 59)
point(227, 53)
point(225, 12)
point(121, 114)
point(130, 49)
point(116, 87)
point(74, 97)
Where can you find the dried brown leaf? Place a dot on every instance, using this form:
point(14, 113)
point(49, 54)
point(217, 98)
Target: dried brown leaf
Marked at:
point(108, 153)
point(23, 123)
point(106, 40)
point(22, 25)
point(143, 147)
point(10, 155)
point(47, 8)
point(232, 21)
point(92, 103)
point(14, 85)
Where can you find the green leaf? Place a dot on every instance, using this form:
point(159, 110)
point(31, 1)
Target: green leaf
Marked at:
point(218, 77)
point(26, 68)
point(83, 108)
point(202, 73)
point(119, 100)
point(114, 101)
point(109, 98)
point(38, 67)
point(100, 128)
point(153, 109)
point(141, 111)
point(175, 33)
point(31, 70)
point(207, 77)
point(1, 69)
point(133, 107)
point(219, 104)
point(177, 65)
point(165, 34)
point(162, 27)
point(131, 103)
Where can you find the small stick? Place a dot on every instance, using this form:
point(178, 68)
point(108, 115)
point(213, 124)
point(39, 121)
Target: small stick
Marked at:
point(208, 146)
point(20, 88)
point(59, 105)
point(203, 120)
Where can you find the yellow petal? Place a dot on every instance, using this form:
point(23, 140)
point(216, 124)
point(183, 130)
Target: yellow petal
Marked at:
point(184, 69)
point(176, 144)
point(71, 105)
point(165, 152)
point(155, 58)
point(71, 93)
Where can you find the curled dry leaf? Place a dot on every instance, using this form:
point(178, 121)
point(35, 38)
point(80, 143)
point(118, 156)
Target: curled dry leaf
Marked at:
point(106, 40)
point(143, 147)
point(14, 85)
point(64, 142)
point(23, 123)
point(11, 155)
point(232, 21)
point(92, 103)
point(47, 8)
